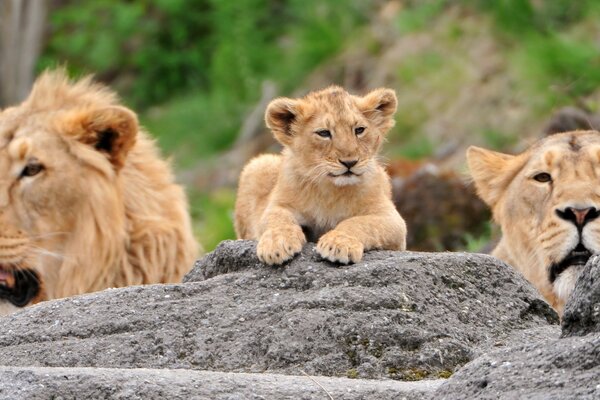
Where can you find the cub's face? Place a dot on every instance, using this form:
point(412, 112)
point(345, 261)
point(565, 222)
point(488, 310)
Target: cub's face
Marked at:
point(332, 136)
point(547, 201)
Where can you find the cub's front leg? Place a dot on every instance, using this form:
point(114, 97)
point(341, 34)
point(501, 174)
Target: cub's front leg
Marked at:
point(282, 237)
point(350, 238)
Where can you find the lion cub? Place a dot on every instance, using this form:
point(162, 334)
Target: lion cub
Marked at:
point(327, 182)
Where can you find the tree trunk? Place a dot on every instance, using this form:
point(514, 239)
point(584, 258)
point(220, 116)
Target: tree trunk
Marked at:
point(22, 25)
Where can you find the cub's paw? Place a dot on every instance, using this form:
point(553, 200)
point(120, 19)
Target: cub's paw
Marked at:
point(340, 247)
point(277, 246)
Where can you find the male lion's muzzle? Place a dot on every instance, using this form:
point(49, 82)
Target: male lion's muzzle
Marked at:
point(19, 286)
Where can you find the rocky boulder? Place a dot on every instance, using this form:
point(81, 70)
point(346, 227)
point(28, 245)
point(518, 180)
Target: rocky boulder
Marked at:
point(582, 312)
point(34, 383)
point(395, 316)
point(543, 368)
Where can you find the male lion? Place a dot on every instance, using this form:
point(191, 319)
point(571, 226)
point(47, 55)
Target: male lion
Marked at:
point(327, 181)
point(547, 202)
point(86, 203)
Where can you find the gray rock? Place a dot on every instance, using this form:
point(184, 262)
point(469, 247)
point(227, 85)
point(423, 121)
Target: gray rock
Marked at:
point(582, 311)
point(132, 384)
point(560, 369)
point(541, 366)
point(405, 316)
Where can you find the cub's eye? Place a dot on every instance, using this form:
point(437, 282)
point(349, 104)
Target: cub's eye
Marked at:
point(359, 130)
point(324, 133)
point(543, 177)
point(31, 169)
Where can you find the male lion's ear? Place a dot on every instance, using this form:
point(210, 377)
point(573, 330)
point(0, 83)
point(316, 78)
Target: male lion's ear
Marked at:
point(492, 172)
point(279, 117)
point(379, 106)
point(111, 130)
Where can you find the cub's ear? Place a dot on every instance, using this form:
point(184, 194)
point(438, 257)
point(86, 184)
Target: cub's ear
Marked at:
point(379, 106)
point(280, 116)
point(492, 172)
point(111, 130)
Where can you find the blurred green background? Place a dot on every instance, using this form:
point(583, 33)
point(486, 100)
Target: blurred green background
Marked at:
point(480, 72)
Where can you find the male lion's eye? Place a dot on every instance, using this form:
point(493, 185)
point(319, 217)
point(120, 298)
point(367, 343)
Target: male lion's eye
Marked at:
point(543, 177)
point(359, 130)
point(32, 169)
point(324, 133)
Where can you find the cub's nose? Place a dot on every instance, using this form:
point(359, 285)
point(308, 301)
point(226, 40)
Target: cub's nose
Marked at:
point(578, 216)
point(348, 163)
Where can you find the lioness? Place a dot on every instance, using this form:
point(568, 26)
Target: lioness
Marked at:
point(547, 202)
point(86, 202)
point(327, 180)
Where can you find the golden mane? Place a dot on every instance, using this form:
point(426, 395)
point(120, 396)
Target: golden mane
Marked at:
point(130, 223)
point(53, 90)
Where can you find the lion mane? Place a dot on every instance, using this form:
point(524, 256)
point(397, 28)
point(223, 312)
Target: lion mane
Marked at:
point(86, 202)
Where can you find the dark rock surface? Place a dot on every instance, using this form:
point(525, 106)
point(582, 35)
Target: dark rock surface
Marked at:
point(405, 316)
point(558, 369)
point(569, 119)
point(440, 208)
point(582, 312)
point(539, 367)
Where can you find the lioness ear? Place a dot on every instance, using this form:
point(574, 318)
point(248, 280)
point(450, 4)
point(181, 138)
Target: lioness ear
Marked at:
point(492, 172)
point(111, 130)
point(379, 106)
point(279, 117)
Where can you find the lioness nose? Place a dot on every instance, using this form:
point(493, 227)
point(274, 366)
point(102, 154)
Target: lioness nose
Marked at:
point(348, 163)
point(578, 216)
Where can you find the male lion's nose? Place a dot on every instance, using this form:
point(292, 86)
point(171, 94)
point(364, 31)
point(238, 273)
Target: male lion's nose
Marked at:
point(348, 163)
point(578, 216)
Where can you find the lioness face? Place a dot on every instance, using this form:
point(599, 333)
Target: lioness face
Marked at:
point(46, 161)
point(547, 201)
point(331, 135)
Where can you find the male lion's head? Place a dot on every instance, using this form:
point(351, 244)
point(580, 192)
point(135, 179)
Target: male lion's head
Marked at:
point(547, 202)
point(331, 135)
point(85, 201)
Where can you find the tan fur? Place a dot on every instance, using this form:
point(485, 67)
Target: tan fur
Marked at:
point(534, 236)
point(280, 194)
point(104, 211)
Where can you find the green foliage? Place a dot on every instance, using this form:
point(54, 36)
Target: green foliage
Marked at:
point(413, 68)
point(242, 33)
point(475, 244)
point(153, 50)
point(559, 68)
point(419, 14)
point(319, 30)
point(196, 126)
point(416, 148)
point(212, 214)
point(526, 16)
point(499, 140)
point(151, 46)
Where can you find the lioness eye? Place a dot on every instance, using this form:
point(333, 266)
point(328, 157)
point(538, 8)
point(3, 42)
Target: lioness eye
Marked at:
point(543, 177)
point(324, 133)
point(31, 169)
point(359, 130)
